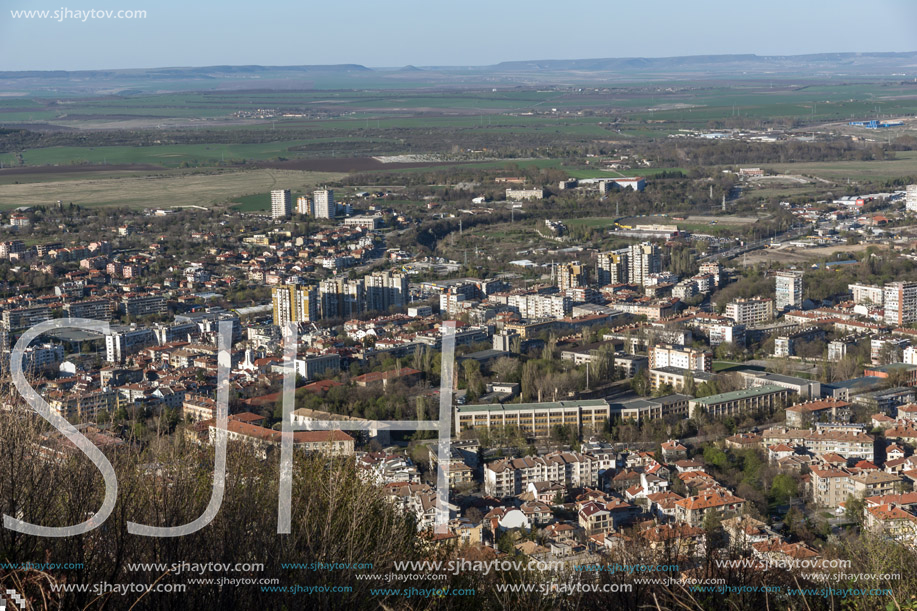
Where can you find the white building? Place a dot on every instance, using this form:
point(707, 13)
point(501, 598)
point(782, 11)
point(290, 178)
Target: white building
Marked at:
point(281, 203)
point(304, 206)
point(900, 303)
point(911, 198)
point(789, 289)
point(867, 293)
point(750, 311)
point(643, 260)
point(323, 205)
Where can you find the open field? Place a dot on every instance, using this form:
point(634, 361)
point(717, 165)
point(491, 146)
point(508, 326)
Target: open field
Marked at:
point(162, 191)
point(800, 255)
point(904, 164)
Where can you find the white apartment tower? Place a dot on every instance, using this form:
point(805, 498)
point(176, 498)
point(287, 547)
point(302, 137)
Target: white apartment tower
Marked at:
point(911, 198)
point(900, 303)
point(611, 268)
point(385, 290)
point(323, 205)
point(789, 290)
point(281, 203)
point(643, 260)
point(304, 205)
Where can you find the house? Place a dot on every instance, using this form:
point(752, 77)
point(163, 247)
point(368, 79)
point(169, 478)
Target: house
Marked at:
point(891, 520)
point(693, 509)
point(743, 531)
point(672, 451)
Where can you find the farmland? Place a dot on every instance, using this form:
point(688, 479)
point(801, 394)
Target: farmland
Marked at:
point(161, 191)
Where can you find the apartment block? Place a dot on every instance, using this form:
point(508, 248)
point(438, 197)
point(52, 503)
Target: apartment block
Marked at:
point(512, 476)
point(751, 311)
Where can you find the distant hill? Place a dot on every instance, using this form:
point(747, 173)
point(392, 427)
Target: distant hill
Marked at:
point(896, 66)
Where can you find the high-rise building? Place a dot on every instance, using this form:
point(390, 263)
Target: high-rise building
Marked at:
point(341, 298)
point(611, 268)
point(911, 198)
point(304, 205)
point(295, 303)
point(900, 303)
point(281, 203)
point(789, 289)
point(572, 276)
point(323, 206)
point(643, 260)
point(385, 290)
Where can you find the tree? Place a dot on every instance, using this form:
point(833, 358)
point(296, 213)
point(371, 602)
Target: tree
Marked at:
point(783, 489)
point(640, 383)
point(854, 508)
point(506, 369)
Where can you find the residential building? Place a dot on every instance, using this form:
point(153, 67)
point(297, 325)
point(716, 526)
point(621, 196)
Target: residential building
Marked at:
point(643, 260)
point(22, 318)
point(910, 198)
point(281, 203)
point(386, 290)
point(323, 206)
point(295, 303)
point(612, 268)
point(867, 294)
point(751, 311)
point(804, 414)
point(512, 476)
point(692, 510)
point(571, 276)
point(852, 445)
point(789, 290)
point(304, 206)
point(900, 303)
point(682, 357)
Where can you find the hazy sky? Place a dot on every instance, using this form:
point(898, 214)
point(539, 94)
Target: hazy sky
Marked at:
point(431, 32)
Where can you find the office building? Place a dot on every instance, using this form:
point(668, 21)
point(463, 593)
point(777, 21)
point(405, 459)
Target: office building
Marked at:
point(281, 203)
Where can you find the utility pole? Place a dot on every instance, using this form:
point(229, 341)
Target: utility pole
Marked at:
point(724, 202)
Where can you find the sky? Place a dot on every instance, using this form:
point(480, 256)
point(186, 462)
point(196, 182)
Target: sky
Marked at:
point(431, 33)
